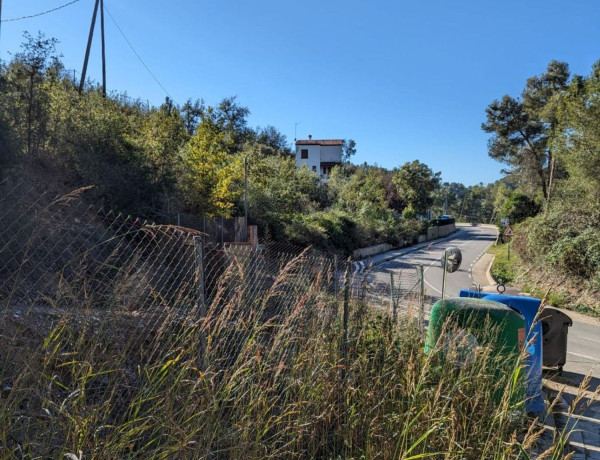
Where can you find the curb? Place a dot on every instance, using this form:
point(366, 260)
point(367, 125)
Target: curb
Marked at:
point(488, 272)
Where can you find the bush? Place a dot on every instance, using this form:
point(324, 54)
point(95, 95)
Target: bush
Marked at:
point(577, 256)
point(409, 213)
point(519, 207)
point(331, 230)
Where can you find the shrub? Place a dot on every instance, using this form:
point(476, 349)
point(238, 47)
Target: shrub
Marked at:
point(579, 255)
point(409, 213)
point(519, 207)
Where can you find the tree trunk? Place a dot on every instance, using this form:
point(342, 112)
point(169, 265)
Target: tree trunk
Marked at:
point(544, 185)
point(552, 166)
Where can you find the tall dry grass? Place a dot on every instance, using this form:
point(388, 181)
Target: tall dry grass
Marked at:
point(265, 376)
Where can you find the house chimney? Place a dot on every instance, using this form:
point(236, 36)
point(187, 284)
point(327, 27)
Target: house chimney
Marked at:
point(310, 137)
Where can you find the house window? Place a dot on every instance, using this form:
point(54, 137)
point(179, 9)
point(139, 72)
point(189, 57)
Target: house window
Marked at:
point(304, 154)
point(314, 168)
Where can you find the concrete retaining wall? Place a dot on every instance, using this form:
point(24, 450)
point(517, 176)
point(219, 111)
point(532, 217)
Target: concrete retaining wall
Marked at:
point(371, 250)
point(439, 232)
point(432, 234)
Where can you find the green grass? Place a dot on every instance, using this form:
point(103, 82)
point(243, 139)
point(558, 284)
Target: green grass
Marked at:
point(504, 269)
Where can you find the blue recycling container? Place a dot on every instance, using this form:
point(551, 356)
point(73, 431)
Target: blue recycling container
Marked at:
point(529, 308)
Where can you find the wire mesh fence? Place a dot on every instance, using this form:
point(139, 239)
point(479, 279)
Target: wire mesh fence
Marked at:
point(97, 307)
point(61, 256)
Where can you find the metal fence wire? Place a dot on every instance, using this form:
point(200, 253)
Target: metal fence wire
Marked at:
point(61, 257)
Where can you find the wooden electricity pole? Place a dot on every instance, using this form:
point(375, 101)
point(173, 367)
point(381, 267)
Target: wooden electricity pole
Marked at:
point(103, 53)
point(89, 46)
point(0, 21)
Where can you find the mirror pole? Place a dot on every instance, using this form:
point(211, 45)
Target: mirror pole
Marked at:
point(444, 270)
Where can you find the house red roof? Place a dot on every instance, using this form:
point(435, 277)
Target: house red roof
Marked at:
point(321, 142)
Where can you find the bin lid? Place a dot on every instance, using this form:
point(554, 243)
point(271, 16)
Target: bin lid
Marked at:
point(478, 316)
point(554, 315)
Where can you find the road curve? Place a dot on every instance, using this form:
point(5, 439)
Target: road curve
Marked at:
point(471, 240)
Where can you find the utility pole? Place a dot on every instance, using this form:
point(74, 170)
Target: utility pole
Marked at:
point(446, 201)
point(0, 22)
point(103, 53)
point(89, 46)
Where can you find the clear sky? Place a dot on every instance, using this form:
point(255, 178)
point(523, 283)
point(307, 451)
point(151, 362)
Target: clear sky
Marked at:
point(405, 80)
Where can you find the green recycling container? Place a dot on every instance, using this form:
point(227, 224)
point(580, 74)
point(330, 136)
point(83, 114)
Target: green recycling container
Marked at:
point(471, 321)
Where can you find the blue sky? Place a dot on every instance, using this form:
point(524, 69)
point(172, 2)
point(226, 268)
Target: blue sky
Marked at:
point(405, 80)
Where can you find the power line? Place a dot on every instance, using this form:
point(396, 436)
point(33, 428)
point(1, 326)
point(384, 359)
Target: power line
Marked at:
point(137, 55)
point(40, 14)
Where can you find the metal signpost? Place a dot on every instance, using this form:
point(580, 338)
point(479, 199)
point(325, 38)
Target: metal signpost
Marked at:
point(508, 233)
point(450, 263)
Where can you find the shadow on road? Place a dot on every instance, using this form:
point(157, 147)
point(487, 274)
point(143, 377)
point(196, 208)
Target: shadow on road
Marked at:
point(573, 379)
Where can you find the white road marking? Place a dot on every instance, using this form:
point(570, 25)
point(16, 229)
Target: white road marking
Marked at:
point(582, 356)
point(593, 340)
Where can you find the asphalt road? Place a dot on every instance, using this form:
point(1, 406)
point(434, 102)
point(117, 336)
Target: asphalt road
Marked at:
point(471, 240)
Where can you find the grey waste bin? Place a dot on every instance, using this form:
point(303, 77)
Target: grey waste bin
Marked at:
point(555, 328)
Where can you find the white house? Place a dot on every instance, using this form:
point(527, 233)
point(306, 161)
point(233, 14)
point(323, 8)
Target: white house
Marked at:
point(319, 155)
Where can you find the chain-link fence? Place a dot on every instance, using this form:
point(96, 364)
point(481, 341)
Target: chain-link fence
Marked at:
point(59, 255)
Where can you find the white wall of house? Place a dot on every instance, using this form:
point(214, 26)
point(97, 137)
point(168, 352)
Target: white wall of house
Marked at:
point(313, 162)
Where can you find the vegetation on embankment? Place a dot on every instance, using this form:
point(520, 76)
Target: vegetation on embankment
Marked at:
point(554, 288)
point(550, 139)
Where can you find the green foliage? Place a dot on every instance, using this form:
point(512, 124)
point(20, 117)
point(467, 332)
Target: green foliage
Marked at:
point(278, 192)
point(348, 149)
point(212, 174)
point(519, 207)
point(272, 138)
point(359, 192)
point(504, 270)
point(580, 138)
point(331, 230)
point(553, 134)
point(415, 183)
point(577, 255)
point(162, 134)
point(158, 161)
point(409, 213)
point(523, 132)
point(30, 77)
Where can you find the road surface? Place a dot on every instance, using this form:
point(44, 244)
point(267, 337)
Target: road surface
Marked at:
point(471, 240)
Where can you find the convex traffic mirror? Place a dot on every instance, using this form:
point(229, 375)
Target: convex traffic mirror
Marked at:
point(452, 259)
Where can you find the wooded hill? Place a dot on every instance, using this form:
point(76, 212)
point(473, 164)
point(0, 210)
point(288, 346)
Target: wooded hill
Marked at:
point(155, 162)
